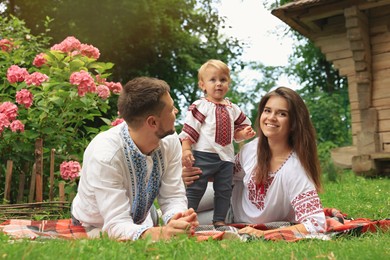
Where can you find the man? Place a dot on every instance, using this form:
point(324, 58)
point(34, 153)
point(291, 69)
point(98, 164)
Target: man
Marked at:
point(127, 167)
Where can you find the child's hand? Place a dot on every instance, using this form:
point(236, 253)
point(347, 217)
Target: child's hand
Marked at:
point(248, 132)
point(187, 158)
point(245, 133)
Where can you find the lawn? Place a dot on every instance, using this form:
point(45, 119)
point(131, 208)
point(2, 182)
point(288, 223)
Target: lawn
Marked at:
point(356, 196)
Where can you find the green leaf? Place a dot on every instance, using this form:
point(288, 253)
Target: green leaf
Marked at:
point(75, 65)
point(57, 100)
point(105, 120)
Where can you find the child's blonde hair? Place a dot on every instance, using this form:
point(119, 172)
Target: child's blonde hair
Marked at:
point(220, 65)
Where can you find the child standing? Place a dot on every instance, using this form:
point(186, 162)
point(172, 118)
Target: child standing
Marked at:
point(211, 124)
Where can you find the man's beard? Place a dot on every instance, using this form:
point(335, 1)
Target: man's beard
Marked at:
point(161, 133)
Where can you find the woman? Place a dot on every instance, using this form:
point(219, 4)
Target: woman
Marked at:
point(277, 175)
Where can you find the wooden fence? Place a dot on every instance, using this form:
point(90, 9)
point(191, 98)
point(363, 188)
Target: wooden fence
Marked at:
point(36, 207)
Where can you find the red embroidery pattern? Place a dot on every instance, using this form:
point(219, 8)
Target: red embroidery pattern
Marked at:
point(239, 120)
point(192, 133)
point(237, 164)
point(314, 222)
point(307, 204)
point(223, 135)
point(196, 114)
point(240, 127)
point(257, 193)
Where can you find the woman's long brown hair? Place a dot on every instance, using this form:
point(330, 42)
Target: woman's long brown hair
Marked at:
point(302, 137)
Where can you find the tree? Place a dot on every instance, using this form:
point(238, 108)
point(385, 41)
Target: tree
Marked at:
point(168, 39)
point(322, 88)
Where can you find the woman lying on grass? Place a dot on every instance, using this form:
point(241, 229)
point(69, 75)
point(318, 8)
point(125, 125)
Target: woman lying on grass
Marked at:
point(277, 175)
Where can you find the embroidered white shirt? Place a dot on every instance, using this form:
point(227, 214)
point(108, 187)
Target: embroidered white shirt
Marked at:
point(201, 128)
point(289, 195)
point(105, 196)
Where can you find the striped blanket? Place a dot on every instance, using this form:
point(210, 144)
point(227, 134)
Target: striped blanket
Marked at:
point(337, 224)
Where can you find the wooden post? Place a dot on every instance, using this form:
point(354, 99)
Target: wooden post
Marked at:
point(8, 178)
point(32, 185)
point(39, 170)
point(22, 180)
point(61, 188)
point(51, 193)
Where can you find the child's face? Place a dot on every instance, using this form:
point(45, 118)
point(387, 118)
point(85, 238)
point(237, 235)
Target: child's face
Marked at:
point(215, 84)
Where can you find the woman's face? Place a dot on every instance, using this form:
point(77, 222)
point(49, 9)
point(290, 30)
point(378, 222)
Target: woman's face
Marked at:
point(275, 119)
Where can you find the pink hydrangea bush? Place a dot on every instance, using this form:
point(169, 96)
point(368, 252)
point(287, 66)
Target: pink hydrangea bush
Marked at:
point(4, 122)
point(6, 45)
point(17, 126)
point(54, 97)
point(61, 94)
point(39, 60)
point(24, 97)
point(103, 91)
point(70, 170)
point(16, 74)
point(9, 109)
point(36, 79)
point(8, 114)
point(84, 81)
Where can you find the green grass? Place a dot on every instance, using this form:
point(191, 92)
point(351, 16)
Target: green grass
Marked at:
point(356, 196)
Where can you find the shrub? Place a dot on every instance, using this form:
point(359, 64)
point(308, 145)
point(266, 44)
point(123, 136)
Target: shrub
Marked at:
point(55, 94)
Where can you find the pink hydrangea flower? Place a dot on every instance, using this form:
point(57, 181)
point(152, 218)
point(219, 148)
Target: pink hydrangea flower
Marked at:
point(89, 51)
point(39, 60)
point(68, 45)
point(24, 97)
point(84, 82)
point(70, 170)
point(103, 91)
point(100, 80)
point(16, 74)
point(6, 45)
point(117, 121)
point(17, 125)
point(36, 79)
point(115, 87)
point(9, 109)
point(4, 122)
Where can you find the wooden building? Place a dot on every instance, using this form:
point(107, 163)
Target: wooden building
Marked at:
point(354, 35)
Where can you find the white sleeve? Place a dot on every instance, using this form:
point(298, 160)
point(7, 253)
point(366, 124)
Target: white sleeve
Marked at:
point(172, 195)
point(240, 120)
point(195, 117)
point(305, 200)
point(107, 181)
point(239, 172)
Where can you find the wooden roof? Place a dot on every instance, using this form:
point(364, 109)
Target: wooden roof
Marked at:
point(308, 16)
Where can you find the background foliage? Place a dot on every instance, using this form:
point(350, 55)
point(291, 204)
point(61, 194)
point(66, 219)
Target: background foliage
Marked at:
point(170, 39)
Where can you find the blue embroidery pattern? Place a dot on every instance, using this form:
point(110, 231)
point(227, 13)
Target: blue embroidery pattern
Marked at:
point(144, 189)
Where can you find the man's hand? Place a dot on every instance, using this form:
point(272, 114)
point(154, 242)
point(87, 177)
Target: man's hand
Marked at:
point(190, 174)
point(181, 223)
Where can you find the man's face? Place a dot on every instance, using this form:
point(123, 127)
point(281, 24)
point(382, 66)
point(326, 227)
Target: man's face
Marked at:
point(166, 120)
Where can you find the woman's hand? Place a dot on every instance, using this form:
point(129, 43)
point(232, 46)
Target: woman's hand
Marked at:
point(190, 174)
point(300, 228)
point(251, 231)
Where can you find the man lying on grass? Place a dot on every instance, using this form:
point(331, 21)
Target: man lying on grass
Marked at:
point(127, 167)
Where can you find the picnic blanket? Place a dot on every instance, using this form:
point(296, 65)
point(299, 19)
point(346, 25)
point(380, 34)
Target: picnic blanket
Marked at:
point(337, 224)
